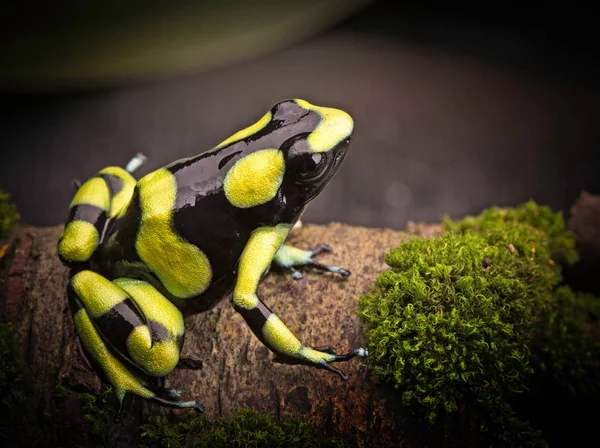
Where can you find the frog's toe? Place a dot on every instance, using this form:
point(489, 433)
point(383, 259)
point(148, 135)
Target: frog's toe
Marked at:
point(296, 275)
point(334, 269)
point(320, 248)
point(359, 352)
point(325, 349)
point(179, 404)
point(172, 393)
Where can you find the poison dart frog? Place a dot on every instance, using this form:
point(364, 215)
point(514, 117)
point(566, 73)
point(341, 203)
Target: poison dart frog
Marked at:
point(145, 253)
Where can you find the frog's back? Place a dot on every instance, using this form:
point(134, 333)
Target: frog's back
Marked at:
point(188, 222)
point(181, 232)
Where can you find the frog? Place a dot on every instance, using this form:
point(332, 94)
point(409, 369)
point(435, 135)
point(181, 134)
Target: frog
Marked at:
point(145, 253)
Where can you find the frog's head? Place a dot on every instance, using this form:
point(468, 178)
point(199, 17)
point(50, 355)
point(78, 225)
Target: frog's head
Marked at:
point(288, 156)
point(315, 147)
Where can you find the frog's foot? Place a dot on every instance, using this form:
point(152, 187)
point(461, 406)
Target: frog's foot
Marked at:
point(175, 403)
point(170, 403)
point(289, 257)
point(172, 393)
point(138, 160)
point(321, 357)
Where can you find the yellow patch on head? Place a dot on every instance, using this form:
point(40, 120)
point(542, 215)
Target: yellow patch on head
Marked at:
point(255, 178)
point(157, 359)
point(98, 294)
point(121, 198)
point(93, 192)
point(119, 376)
point(279, 337)
point(79, 241)
point(335, 126)
point(247, 132)
point(182, 268)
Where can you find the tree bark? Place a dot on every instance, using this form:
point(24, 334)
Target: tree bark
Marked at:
point(584, 221)
point(237, 371)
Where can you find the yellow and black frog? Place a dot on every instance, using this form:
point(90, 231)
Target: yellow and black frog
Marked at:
point(176, 242)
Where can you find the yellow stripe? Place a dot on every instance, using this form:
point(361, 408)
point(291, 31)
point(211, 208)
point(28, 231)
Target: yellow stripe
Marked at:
point(98, 294)
point(181, 267)
point(335, 126)
point(121, 199)
point(279, 337)
point(157, 359)
point(255, 179)
point(256, 258)
point(79, 241)
point(153, 304)
point(93, 192)
point(247, 132)
point(118, 375)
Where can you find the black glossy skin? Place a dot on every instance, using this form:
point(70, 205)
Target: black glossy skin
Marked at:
point(203, 215)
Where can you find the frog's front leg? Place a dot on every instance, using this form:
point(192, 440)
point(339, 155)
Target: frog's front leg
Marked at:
point(289, 258)
point(270, 330)
point(128, 322)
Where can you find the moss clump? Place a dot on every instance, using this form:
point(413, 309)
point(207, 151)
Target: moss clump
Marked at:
point(497, 223)
point(12, 372)
point(98, 412)
point(244, 429)
point(8, 213)
point(566, 347)
point(452, 320)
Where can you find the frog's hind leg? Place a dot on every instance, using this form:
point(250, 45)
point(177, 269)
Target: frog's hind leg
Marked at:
point(289, 258)
point(130, 331)
point(98, 200)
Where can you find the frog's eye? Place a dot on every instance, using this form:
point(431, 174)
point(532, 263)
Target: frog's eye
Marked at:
point(312, 166)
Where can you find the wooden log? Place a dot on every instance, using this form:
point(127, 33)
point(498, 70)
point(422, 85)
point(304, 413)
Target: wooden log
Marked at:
point(237, 371)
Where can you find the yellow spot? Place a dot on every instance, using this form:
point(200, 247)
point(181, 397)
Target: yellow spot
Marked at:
point(279, 337)
point(247, 132)
point(157, 359)
point(118, 375)
point(121, 199)
point(79, 241)
point(93, 192)
point(153, 304)
point(181, 267)
point(255, 179)
point(335, 126)
point(256, 258)
point(291, 256)
point(315, 356)
point(98, 294)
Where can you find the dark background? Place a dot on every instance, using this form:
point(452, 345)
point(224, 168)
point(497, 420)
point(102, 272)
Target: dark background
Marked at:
point(456, 109)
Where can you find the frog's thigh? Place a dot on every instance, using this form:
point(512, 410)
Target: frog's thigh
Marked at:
point(91, 297)
point(134, 319)
point(99, 199)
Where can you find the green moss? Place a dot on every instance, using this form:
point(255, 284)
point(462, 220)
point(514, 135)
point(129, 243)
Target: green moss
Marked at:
point(566, 347)
point(8, 214)
point(12, 371)
point(453, 319)
point(244, 429)
point(98, 412)
point(495, 222)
